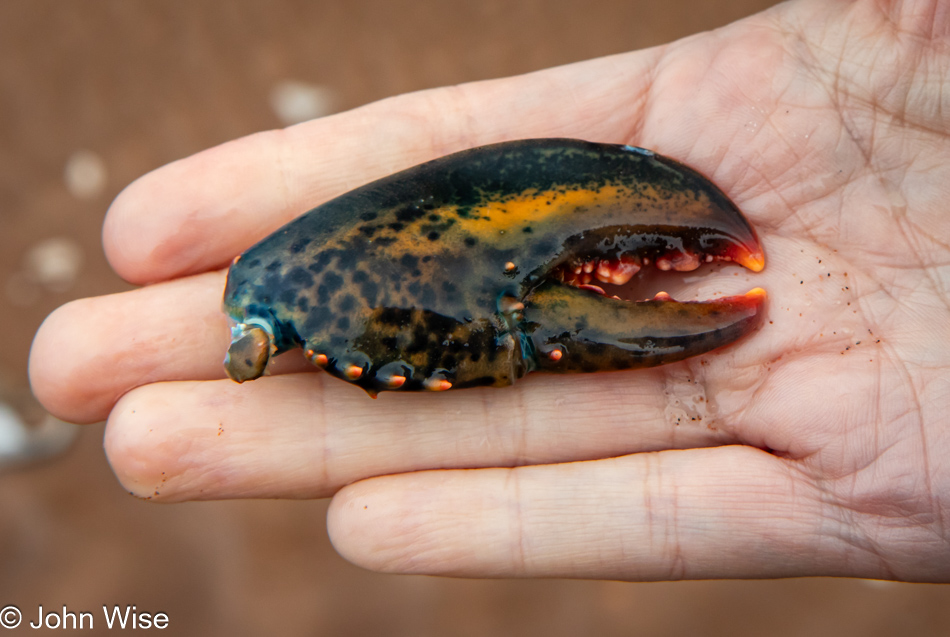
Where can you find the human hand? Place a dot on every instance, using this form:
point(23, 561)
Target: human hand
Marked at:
point(815, 447)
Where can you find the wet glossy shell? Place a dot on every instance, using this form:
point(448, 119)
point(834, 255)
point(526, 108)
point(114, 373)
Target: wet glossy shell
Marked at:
point(433, 277)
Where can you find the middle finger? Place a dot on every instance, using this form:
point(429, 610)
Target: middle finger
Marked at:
point(307, 435)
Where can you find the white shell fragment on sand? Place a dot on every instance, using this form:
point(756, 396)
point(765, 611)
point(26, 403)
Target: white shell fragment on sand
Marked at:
point(21, 443)
point(51, 265)
point(54, 263)
point(294, 102)
point(13, 437)
point(85, 174)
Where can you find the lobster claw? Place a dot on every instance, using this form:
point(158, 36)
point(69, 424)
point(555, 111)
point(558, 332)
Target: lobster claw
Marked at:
point(572, 330)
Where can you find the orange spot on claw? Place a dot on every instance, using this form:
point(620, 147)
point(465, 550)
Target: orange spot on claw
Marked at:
point(319, 359)
point(510, 304)
point(555, 355)
point(437, 384)
point(395, 382)
point(353, 372)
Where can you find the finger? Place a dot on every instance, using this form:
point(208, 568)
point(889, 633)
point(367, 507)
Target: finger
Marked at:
point(306, 435)
point(90, 352)
point(197, 213)
point(723, 512)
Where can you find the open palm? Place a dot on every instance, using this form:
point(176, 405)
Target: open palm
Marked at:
point(819, 445)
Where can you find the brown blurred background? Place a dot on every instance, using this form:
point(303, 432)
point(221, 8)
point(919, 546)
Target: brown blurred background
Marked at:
point(95, 94)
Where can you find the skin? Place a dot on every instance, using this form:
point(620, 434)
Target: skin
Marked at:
point(818, 446)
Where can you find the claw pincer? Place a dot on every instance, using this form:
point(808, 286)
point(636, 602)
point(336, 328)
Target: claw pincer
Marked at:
point(479, 267)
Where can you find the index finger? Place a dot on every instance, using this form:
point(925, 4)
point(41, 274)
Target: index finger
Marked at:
point(196, 214)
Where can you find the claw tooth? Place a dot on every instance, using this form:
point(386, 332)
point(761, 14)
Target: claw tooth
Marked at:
point(588, 267)
point(685, 262)
point(662, 296)
point(353, 372)
point(592, 288)
point(623, 272)
point(709, 258)
point(664, 264)
point(754, 261)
